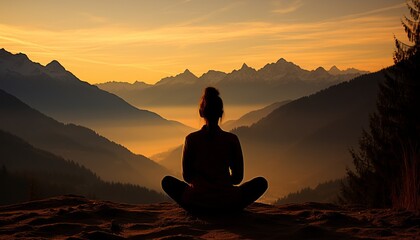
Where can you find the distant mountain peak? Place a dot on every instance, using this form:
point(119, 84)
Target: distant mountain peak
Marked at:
point(57, 71)
point(281, 60)
point(186, 77)
point(245, 69)
point(18, 62)
point(140, 82)
point(21, 64)
point(4, 53)
point(320, 73)
point(187, 74)
point(18, 56)
point(334, 68)
point(212, 76)
point(320, 69)
point(210, 72)
point(245, 73)
point(214, 72)
point(55, 66)
point(244, 66)
point(284, 63)
point(22, 55)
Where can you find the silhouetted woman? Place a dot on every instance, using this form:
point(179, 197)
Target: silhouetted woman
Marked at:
point(212, 165)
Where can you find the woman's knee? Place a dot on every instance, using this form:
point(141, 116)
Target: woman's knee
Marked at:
point(172, 184)
point(257, 185)
point(166, 182)
point(261, 182)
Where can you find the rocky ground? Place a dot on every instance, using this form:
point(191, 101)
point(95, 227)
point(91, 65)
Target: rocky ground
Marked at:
point(74, 217)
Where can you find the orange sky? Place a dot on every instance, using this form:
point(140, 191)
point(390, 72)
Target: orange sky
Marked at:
point(126, 40)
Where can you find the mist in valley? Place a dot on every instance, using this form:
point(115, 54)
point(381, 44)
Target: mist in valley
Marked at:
point(300, 143)
point(295, 125)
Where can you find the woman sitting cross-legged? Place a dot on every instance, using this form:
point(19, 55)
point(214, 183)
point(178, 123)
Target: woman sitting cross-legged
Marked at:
point(213, 167)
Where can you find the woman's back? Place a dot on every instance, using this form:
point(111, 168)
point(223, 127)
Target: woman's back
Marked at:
point(208, 156)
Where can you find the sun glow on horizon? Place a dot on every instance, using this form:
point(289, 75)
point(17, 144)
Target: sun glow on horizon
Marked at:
point(140, 41)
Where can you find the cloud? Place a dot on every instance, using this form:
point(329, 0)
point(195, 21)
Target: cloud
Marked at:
point(209, 15)
point(373, 12)
point(359, 38)
point(93, 18)
point(357, 30)
point(288, 8)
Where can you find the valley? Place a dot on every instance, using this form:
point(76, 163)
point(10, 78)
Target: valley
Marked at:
point(295, 125)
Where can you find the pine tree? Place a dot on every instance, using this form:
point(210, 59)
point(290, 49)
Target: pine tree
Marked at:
point(387, 168)
point(411, 27)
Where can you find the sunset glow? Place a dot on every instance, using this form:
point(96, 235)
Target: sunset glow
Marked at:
point(103, 41)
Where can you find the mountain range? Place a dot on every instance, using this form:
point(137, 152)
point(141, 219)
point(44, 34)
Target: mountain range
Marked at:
point(56, 92)
point(111, 161)
point(306, 141)
point(274, 82)
point(28, 173)
point(252, 117)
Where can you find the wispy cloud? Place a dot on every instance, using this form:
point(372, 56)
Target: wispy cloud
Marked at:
point(209, 15)
point(363, 29)
point(373, 12)
point(93, 18)
point(366, 39)
point(283, 8)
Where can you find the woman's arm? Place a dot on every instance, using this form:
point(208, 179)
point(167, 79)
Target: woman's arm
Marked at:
point(187, 160)
point(237, 163)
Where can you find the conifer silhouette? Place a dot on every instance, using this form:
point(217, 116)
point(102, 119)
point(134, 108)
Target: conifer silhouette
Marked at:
point(387, 168)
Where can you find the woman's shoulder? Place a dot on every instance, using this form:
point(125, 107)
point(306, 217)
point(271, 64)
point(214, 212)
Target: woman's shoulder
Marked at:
point(202, 134)
point(194, 134)
point(197, 134)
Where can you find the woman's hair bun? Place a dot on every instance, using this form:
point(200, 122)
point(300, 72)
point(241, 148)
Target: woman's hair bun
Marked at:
point(211, 92)
point(211, 105)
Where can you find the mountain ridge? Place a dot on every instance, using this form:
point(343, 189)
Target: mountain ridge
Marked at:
point(187, 77)
point(111, 161)
point(310, 136)
point(29, 173)
point(252, 116)
point(281, 63)
point(273, 82)
point(14, 62)
point(58, 93)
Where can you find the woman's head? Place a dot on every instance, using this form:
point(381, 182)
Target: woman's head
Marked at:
point(211, 105)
